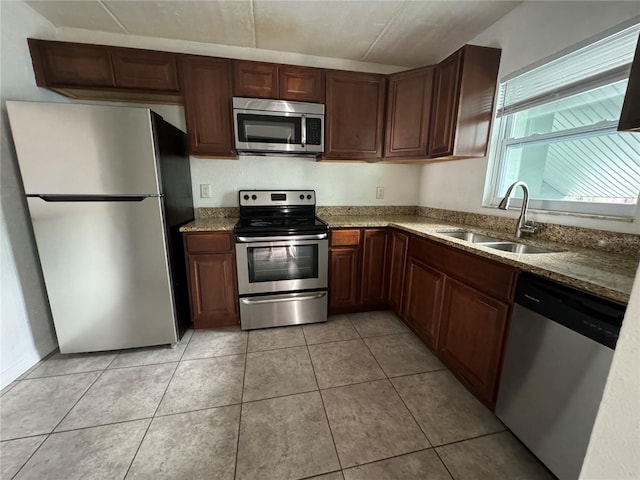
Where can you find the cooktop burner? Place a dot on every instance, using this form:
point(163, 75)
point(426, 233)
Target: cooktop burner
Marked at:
point(281, 212)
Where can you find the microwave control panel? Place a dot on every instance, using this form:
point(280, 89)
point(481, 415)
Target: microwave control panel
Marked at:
point(314, 131)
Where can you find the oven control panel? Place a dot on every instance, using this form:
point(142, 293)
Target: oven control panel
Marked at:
point(264, 198)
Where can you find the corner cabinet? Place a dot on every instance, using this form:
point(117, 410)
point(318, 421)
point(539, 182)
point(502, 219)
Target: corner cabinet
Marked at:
point(397, 258)
point(409, 114)
point(463, 100)
point(630, 116)
point(207, 105)
point(211, 271)
point(354, 118)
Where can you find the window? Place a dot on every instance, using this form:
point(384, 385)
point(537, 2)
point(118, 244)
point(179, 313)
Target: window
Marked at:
point(555, 129)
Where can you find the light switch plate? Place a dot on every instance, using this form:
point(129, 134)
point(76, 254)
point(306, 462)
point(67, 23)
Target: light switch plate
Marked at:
point(380, 192)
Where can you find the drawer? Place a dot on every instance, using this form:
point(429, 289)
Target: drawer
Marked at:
point(208, 242)
point(344, 238)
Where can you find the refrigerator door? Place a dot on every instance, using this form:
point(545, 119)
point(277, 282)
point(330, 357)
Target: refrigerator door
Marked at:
point(74, 149)
point(106, 273)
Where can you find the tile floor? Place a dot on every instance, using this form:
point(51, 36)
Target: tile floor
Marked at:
point(358, 397)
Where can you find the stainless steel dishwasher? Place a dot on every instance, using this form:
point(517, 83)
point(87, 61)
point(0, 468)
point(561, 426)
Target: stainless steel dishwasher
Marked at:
point(556, 363)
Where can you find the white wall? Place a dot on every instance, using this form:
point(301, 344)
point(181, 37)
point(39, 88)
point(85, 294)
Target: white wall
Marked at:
point(27, 330)
point(529, 33)
point(614, 448)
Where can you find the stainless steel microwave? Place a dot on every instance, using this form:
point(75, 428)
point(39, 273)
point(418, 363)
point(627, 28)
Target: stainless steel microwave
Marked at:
point(278, 126)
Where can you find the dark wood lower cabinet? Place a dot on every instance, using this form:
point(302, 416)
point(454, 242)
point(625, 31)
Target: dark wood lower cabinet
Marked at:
point(423, 301)
point(472, 335)
point(344, 275)
point(398, 257)
point(212, 280)
point(374, 268)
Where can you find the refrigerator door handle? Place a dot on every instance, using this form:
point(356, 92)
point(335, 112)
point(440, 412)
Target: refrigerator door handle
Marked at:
point(91, 198)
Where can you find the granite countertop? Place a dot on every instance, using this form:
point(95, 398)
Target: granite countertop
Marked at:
point(219, 224)
point(605, 274)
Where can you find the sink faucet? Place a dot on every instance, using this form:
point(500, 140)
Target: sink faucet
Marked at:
point(523, 225)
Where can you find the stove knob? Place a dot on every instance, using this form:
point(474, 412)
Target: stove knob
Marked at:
point(309, 197)
point(246, 197)
point(254, 196)
point(301, 197)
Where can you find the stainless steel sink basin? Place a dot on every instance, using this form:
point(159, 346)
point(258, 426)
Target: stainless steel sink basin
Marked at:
point(470, 236)
point(514, 247)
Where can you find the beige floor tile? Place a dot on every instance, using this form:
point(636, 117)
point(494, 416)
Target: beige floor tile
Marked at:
point(196, 446)
point(98, 452)
point(151, 355)
point(204, 383)
point(373, 324)
point(335, 329)
point(446, 411)
point(369, 422)
point(493, 457)
point(36, 406)
point(423, 465)
point(344, 363)
point(216, 342)
point(15, 453)
point(272, 338)
point(402, 354)
point(278, 372)
point(285, 437)
point(60, 364)
point(120, 395)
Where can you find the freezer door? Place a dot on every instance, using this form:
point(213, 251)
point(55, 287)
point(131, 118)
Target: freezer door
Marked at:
point(77, 149)
point(106, 273)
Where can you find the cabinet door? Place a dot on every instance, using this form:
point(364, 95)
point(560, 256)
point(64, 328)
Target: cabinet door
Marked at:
point(354, 115)
point(423, 300)
point(255, 79)
point(212, 284)
point(445, 100)
point(472, 336)
point(398, 249)
point(408, 114)
point(71, 64)
point(207, 105)
point(374, 267)
point(145, 69)
point(630, 116)
point(302, 84)
point(344, 268)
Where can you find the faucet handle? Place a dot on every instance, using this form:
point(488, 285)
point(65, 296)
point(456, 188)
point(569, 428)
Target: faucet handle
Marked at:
point(529, 227)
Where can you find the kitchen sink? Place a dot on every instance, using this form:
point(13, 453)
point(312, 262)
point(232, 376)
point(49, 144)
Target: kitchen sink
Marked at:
point(514, 247)
point(470, 236)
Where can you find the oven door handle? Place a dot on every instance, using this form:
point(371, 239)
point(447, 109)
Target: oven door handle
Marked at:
point(293, 238)
point(284, 298)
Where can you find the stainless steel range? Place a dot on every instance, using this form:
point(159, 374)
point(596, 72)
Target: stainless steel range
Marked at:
point(282, 255)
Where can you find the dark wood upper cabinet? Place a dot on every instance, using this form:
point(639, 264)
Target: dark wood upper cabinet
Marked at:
point(283, 82)
point(145, 69)
point(375, 267)
point(71, 64)
point(255, 79)
point(463, 100)
point(302, 84)
point(408, 113)
point(630, 116)
point(354, 115)
point(207, 105)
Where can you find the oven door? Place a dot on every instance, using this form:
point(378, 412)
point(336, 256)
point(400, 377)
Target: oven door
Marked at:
point(282, 264)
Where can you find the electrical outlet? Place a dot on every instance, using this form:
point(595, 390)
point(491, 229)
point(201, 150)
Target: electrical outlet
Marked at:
point(205, 190)
point(380, 192)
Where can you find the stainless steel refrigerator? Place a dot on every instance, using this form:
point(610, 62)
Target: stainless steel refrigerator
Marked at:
point(107, 189)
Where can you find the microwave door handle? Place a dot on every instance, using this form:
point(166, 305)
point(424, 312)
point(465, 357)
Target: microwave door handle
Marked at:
point(303, 140)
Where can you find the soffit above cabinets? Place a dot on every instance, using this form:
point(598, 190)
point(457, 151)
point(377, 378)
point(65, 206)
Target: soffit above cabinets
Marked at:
point(391, 32)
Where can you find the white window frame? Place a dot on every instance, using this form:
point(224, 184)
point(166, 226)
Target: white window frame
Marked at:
point(502, 123)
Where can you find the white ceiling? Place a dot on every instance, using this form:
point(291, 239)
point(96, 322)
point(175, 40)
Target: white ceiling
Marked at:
point(390, 32)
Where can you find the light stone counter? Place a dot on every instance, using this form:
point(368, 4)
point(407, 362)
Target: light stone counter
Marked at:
point(604, 274)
